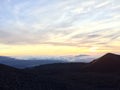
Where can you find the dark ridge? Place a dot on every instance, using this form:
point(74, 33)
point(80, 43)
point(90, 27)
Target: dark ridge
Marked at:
point(57, 68)
point(108, 63)
point(64, 76)
point(15, 79)
point(7, 68)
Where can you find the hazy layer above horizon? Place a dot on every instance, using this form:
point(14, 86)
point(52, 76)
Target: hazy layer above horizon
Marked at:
point(59, 27)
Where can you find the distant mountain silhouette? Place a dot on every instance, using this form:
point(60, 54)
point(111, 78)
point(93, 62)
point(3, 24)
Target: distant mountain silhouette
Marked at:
point(83, 76)
point(64, 76)
point(108, 63)
point(19, 63)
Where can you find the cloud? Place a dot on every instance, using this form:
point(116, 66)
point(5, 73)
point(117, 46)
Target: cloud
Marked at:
point(65, 23)
point(102, 4)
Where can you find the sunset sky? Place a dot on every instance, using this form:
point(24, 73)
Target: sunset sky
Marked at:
point(59, 27)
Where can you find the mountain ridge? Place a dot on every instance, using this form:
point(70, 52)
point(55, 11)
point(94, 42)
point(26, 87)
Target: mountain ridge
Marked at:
point(62, 76)
point(107, 63)
point(20, 63)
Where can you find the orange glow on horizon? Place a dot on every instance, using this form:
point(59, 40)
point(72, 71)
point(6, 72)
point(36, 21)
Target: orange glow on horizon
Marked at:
point(22, 50)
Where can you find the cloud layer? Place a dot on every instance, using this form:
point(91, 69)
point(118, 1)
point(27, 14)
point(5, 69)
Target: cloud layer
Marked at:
point(80, 23)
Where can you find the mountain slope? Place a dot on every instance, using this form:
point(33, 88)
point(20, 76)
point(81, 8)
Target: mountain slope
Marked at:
point(75, 76)
point(63, 76)
point(56, 68)
point(6, 68)
point(16, 79)
point(107, 63)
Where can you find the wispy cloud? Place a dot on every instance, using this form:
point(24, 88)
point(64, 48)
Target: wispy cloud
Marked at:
point(64, 22)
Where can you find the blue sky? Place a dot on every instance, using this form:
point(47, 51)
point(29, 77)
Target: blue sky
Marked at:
point(89, 24)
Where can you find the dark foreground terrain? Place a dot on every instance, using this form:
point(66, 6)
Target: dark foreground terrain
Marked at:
point(100, 74)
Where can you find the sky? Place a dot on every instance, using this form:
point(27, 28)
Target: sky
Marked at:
point(59, 27)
